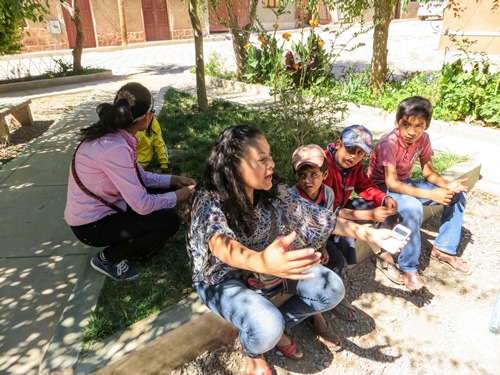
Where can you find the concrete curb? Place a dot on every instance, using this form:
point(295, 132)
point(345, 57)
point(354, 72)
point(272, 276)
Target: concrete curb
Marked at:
point(173, 325)
point(52, 82)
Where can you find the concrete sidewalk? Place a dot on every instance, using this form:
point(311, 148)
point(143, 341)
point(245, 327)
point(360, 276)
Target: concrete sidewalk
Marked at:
point(41, 259)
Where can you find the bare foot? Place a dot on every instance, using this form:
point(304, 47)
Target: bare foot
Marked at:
point(452, 261)
point(387, 257)
point(325, 333)
point(414, 283)
point(257, 365)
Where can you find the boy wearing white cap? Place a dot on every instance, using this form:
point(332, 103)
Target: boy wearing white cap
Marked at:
point(310, 167)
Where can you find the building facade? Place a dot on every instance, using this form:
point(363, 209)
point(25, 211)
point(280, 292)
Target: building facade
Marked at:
point(144, 20)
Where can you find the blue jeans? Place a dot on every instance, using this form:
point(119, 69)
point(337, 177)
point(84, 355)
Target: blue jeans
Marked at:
point(262, 324)
point(411, 209)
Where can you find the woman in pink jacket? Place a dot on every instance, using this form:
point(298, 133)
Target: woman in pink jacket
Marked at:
point(112, 202)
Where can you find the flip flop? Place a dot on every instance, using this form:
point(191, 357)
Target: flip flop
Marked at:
point(451, 261)
point(344, 306)
point(288, 350)
point(389, 270)
point(327, 336)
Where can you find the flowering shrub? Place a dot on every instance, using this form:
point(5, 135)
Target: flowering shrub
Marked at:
point(279, 59)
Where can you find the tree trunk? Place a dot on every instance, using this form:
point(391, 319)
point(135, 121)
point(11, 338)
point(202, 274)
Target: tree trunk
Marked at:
point(201, 89)
point(240, 53)
point(123, 23)
point(381, 19)
point(78, 50)
point(76, 17)
point(240, 35)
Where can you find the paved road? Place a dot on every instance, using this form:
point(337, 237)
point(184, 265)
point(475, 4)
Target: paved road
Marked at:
point(421, 37)
point(412, 46)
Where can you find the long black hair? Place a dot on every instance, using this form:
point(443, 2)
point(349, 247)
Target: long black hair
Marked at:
point(131, 101)
point(222, 178)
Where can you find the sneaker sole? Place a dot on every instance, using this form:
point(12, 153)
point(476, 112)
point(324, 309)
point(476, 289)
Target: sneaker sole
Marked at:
point(109, 275)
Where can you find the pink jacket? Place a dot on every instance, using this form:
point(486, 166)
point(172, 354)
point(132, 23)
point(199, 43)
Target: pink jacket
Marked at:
point(106, 166)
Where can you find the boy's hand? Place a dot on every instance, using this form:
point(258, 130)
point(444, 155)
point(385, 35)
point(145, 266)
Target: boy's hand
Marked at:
point(381, 213)
point(457, 186)
point(325, 257)
point(442, 196)
point(391, 205)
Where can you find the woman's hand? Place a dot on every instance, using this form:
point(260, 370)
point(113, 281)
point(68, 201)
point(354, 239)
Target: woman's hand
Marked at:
point(278, 261)
point(379, 236)
point(181, 181)
point(184, 193)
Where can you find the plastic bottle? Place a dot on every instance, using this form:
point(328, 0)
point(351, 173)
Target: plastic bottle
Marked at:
point(495, 319)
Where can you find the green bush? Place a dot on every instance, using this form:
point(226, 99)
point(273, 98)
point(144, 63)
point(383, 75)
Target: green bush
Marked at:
point(459, 91)
point(469, 91)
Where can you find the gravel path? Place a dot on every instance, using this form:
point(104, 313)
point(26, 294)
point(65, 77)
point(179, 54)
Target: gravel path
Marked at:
point(46, 111)
point(400, 333)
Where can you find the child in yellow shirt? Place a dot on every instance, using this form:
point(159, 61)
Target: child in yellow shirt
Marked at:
point(149, 142)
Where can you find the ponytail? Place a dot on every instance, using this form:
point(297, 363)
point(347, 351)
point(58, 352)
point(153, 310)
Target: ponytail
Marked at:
point(112, 118)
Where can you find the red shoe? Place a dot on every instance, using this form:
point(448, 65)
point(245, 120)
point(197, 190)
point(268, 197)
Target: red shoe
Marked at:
point(288, 350)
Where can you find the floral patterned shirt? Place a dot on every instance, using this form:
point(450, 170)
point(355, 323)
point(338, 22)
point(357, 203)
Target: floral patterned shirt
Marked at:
point(312, 223)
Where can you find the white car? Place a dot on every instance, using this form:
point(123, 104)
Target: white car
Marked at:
point(431, 9)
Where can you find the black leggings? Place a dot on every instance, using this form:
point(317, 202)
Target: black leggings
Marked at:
point(128, 235)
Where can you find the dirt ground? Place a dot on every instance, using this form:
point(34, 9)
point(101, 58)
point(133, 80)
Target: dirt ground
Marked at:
point(45, 111)
point(445, 332)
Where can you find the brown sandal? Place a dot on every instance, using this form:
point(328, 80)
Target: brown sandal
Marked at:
point(451, 261)
point(327, 336)
point(389, 270)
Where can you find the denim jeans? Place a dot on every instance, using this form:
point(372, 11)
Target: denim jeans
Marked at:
point(411, 209)
point(262, 324)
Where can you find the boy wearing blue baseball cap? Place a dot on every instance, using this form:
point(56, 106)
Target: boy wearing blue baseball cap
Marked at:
point(345, 176)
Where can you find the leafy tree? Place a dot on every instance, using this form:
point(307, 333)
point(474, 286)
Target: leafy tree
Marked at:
point(240, 35)
point(12, 16)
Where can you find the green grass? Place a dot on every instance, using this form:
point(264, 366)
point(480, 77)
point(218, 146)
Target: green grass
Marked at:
point(441, 162)
point(166, 279)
